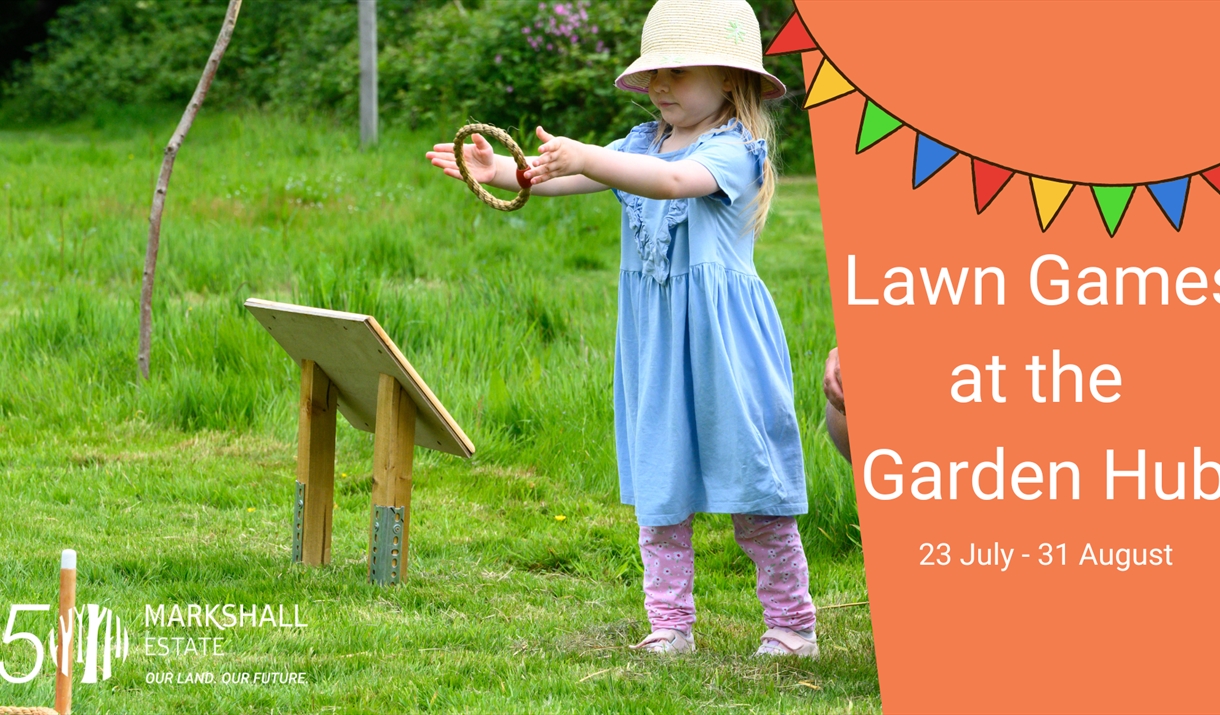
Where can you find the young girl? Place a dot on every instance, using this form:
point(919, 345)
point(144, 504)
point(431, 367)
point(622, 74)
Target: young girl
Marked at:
point(704, 416)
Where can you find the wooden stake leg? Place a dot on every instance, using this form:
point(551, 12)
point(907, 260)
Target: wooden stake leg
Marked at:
point(316, 462)
point(393, 455)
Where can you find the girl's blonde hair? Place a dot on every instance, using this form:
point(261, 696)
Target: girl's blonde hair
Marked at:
point(744, 101)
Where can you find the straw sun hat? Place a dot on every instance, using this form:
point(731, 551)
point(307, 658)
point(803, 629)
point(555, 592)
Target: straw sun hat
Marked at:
point(686, 33)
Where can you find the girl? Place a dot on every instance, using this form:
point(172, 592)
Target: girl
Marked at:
point(703, 405)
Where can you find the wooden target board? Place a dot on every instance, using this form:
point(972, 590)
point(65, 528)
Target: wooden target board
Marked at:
point(350, 366)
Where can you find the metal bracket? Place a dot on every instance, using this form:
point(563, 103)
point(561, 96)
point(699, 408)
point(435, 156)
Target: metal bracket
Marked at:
point(385, 551)
point(298, 524)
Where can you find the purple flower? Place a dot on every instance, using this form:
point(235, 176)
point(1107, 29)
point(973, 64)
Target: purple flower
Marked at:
point(594, 29)
point(549, 46)
point(498, 59)
point(509, 89)
point(525, 31)
point(561, 9)
point(541, 6)
point(575, 39)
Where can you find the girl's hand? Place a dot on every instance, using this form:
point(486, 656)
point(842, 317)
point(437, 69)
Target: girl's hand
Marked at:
point(480, 159)
point(559, 156)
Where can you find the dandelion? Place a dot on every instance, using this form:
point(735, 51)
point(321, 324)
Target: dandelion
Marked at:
point(249, 509)
point(345, 474)
point(560, 517)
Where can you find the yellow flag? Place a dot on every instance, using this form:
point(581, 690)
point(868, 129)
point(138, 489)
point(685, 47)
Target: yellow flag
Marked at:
point(827, 84)
point(1049, 197)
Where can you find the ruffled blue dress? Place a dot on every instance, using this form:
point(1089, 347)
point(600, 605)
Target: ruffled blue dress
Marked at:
point(704, 415)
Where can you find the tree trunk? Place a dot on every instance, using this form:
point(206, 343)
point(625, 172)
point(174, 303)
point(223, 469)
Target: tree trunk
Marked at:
point(167, 167)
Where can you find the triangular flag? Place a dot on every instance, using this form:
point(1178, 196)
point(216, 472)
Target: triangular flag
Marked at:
point(1170, 196)
point(1112, 202)
point(1049, 196)
point(794, 37)
point(827, 84)
point(930, 157)
point(988, 180)
point(875, 125)
point(1213, 177)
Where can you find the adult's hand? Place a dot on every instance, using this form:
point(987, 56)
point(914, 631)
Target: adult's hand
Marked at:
point(836, 411)
point(832, 382)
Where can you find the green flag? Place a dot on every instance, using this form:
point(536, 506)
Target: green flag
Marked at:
point(876, 125)
point(1112, 202)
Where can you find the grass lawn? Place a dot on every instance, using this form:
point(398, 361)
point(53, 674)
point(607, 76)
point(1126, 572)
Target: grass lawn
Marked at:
point(179, 491)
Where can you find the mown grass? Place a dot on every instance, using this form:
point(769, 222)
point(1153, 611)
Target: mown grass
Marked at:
point(178, 490)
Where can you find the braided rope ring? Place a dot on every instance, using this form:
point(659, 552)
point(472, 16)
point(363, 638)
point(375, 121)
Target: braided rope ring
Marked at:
point(459, 155)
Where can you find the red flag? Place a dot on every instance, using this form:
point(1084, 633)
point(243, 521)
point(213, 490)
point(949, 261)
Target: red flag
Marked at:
point(1213, 177)
point(792, 38)
point(988, 180)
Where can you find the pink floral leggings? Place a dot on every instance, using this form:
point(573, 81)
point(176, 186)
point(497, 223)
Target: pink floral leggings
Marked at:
point(772, 543)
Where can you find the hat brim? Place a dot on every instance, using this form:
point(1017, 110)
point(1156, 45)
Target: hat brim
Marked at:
point(636, 78)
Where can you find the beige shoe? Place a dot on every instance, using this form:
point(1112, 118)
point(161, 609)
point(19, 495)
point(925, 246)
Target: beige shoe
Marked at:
point(667, 640)
point(785, 641)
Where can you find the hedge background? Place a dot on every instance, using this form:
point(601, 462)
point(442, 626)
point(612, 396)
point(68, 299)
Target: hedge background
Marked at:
point(513, 63)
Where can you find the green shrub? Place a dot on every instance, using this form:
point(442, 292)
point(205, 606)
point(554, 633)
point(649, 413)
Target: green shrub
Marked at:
point(513, 63)
point(520, 64)
point(517, 65)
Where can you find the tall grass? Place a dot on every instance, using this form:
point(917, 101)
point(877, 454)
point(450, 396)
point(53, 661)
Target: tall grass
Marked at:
point(509, 317)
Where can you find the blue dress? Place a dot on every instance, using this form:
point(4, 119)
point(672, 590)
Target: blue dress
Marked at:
point(704, 417)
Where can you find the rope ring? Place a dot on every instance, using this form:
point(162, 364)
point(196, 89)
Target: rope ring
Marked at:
point(459, 155)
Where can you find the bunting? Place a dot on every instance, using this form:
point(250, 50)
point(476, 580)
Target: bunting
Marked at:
point(989, 179)
point(1049, 197)
point(793, 37)
point(1212, 176)
point(930, 157)
point(1170, 197)
point(827, 84)
point(875, 125)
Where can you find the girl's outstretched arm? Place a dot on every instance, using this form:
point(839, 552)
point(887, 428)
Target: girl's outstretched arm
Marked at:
point(562, 158)
point(487, 168)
